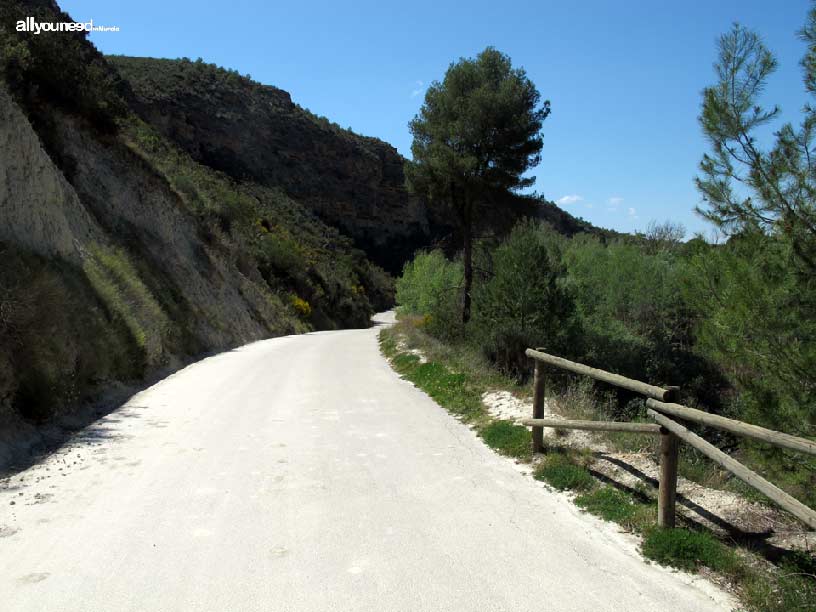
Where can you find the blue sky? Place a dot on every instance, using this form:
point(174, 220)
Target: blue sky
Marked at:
point(622, 144)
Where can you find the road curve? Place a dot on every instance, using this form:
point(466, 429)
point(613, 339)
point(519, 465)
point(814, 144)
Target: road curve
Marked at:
point(301, 473)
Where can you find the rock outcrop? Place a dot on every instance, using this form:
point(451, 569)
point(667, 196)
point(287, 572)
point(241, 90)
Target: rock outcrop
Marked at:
point(40, 209)
point(255, 132)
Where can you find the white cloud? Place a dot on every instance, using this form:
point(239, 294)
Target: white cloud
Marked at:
point(632, 213)
point(420, 87)
point(615, 201)
point(568, 199)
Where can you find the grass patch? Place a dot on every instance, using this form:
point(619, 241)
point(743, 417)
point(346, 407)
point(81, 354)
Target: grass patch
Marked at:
point(792, 586)
point(453, 391)
point(687, 550)
point(613, 505)
point(447, 388)
point(118, 284)
point(508, 439)
point(559, 471)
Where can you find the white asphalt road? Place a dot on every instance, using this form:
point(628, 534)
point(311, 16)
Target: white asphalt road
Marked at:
point(301, 473)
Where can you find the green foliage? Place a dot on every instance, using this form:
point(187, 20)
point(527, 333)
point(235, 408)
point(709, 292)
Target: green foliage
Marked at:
point(15, 56)
point(791, 586)
point(508, 439)
point(430, 285)
point(631, 317)
point(756, 294)
point(521, 300)
point(712, 319)
point(62, 69)
point(776, 187)
point(477, 128)
point(475, 137)
point(687, 550)
point(757, 324)
point(558, 470)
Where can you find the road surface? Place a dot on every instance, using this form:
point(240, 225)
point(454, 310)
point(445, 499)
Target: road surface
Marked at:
point(301, 473)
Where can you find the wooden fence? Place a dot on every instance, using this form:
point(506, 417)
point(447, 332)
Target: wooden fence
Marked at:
point(664, 411)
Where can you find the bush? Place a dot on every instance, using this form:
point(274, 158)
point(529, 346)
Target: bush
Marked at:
point(757, 324)
point(628, 300)
point(521, 301)
point(431, 285)
point(94, 89)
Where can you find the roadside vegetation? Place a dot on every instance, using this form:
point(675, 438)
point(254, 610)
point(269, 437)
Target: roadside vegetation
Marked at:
point(730, 322)
point(456, 377)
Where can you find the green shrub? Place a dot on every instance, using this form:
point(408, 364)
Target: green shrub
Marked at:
point(628, 299)
point(431, 285)
point(560, 472)
point(521, 301)
point(758, 325)
point(94, 89)
point(508, 439)
point(687, 550)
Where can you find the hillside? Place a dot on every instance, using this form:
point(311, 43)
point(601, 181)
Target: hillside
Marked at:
point(255, 132)
point(122, 255)
point(155, 210)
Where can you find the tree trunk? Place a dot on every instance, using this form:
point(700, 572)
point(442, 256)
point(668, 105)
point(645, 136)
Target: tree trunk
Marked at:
point(467, 234)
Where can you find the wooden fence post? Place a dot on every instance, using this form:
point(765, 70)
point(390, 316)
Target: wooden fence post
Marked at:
point(539, 389)
point(667, 491)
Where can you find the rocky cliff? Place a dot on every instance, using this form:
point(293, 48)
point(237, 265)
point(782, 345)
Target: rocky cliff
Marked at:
point(255, 132)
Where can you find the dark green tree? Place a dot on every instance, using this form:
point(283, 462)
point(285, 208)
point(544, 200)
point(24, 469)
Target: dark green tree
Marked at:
point(476, 135)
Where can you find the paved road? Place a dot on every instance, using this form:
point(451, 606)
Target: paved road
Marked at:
point(301, 473)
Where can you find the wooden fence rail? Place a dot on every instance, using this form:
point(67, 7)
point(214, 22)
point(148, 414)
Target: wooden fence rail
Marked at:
point(647, 428)
point(671, 433)
point(749, 477)
point(747, 430)
point(658, 393)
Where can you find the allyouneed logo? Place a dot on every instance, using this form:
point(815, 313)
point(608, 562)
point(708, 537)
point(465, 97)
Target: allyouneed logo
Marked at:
point(29, 24)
